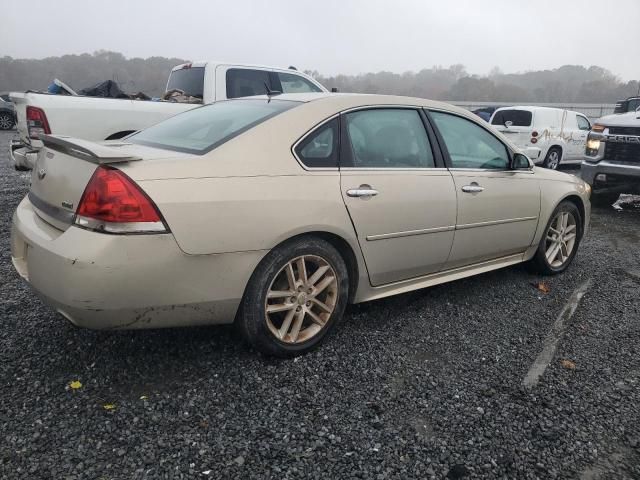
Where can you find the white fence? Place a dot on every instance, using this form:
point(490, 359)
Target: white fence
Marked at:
point(592, 110)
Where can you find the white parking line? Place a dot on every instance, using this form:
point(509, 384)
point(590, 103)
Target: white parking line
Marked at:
point(553, 337)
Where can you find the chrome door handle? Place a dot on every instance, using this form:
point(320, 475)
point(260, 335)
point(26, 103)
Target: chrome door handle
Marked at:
point(473, 188)
point(362, 192)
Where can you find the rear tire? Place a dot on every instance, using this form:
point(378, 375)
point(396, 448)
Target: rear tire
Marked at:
point(552, 160)
point(294, 298)
point(6, 121)
point(560, 241)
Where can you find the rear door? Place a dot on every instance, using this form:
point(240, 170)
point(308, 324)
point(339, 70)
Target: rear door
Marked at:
point(515, 124)
point(498, 207)
point(400, 197)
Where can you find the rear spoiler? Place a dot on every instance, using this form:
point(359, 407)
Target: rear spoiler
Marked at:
point(86, 150)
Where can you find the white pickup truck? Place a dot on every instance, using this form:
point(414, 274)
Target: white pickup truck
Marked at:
point(101, 119)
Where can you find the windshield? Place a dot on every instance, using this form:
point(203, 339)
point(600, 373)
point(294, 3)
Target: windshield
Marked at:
point(518, 118)
point(202, 129)
point(189, 80)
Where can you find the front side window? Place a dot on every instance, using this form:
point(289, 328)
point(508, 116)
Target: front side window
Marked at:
point(244, 82)
point(292, 83)
point(583, 123)
point(203, 129)
point(469, 145)
point(320, 148)
point(388, 138)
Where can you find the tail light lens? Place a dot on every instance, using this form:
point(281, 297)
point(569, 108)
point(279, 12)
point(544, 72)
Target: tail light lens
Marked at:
point(534, 140)
point(113, 203)
point(37, 123)
point(534, 134)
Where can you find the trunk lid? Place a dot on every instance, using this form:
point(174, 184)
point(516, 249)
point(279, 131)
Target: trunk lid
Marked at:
point(63, 169)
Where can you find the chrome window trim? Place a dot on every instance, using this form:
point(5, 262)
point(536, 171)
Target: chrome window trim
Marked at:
point(490, 170)
point(394, 169)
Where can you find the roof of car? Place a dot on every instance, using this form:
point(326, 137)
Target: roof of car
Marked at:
point(359, 99)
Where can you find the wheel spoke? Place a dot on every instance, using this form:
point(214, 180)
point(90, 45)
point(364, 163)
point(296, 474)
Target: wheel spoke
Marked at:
point(570, 228)
point(565, 220)
point(554, 231)
point(280, 293)
point(552, 253)
point(569, 236)
point(302, 270)
point(291, 278)
point(316, 318)
point(297, 325)
point(328, 280)
point(286, 323)
point(317, 275)
point(322, 305)
point(280, 307)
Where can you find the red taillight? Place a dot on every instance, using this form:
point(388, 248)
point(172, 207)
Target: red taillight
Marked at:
point(534, 140)
point(534, 134)
point(37, 123)
point(113, 203)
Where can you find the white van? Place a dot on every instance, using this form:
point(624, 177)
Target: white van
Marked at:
point(547, 136)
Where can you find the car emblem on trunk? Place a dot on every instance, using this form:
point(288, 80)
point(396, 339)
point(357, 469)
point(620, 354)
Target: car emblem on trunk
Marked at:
point(42, 173)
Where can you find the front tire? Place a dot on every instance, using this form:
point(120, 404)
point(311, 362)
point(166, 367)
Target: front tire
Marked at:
point(560, 240)
point(552, 160)
point(294, 298)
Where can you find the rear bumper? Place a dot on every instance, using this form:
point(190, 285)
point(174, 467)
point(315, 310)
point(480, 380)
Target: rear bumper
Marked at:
point(618, 170)
point(102, 281)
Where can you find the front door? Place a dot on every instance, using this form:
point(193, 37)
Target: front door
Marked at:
point(498, 208)
point(401, 200)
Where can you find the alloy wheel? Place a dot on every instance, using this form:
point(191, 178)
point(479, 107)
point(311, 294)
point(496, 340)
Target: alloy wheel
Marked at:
point(301, 299)
point(554, 160)
point(6, 122)
point(560, 239)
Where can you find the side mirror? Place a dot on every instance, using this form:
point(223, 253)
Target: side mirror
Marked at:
point(521, 162)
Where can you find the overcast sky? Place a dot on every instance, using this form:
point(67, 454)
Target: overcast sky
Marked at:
point(333, 36)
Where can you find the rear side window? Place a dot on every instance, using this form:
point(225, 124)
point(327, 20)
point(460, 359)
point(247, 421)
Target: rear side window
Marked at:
point(320, 148)
point(388, 138)
point(189, 80)
point(292, 83)
point(202, 129)
point(243, 82)
point(518, 118)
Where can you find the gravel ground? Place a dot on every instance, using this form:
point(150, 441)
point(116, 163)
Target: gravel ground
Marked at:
point(423, 385)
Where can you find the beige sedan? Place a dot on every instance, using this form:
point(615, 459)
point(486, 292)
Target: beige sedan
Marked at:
point(277, 212)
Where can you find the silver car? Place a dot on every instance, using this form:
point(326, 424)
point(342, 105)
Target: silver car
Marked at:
point(277, 212)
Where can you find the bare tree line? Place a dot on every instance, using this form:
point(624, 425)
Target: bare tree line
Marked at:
point(569, 83)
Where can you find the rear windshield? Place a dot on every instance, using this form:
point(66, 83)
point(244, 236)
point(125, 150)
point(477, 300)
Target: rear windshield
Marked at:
point(518, 118)
point(204, 128)
point(189, 80)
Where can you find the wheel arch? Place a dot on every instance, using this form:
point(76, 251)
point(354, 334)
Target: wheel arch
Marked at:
point(578, 202)
point(345, 250)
